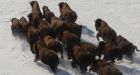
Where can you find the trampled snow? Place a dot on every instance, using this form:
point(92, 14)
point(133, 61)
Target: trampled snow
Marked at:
point(121, 15)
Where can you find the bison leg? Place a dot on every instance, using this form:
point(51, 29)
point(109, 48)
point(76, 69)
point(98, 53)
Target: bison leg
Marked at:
point(62, 54)
point(120, 57)
point(31, 48)
point(73, 64)
point(36, 57)
point(97, 36)
point(83, 68)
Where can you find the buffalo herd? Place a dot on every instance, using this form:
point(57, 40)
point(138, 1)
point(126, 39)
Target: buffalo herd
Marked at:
point(48, 35)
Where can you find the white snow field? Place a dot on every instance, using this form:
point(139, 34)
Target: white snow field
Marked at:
point(121, 15)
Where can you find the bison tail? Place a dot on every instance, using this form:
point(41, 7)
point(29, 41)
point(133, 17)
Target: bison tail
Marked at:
point(137, 49)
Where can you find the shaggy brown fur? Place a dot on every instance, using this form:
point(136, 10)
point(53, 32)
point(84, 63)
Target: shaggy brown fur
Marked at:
point(126, 47)
point(58, 26)
point(116, 49)
point(74, 28)
point(105, 68)
point(81, 57)
point(16, 27)
point(109, 50)
point(46, 29)
point(35, 16)
point(91, 48)
point(104, 31)
point(47, 13)
point(48, 57)
point(32, 36)
point(53, 44)
point(67, 14)
point(25, 24)
point(69, 40)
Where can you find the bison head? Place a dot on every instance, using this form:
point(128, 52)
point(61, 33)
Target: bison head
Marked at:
point(32, 3)
point(61, 5)
point(98, 23)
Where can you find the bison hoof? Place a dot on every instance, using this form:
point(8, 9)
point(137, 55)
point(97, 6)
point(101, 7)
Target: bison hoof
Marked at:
point(35, 60)
point(69, 57)
point(62, 57)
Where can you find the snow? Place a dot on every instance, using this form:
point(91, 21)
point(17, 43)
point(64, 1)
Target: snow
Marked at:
point(121, 15)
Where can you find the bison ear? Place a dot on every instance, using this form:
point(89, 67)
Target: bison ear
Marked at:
point(61, 5)
point(12, 19)
point(43, 8)
point(32, 3)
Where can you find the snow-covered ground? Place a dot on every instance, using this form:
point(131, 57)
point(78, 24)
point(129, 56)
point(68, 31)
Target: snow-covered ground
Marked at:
point(121, 15)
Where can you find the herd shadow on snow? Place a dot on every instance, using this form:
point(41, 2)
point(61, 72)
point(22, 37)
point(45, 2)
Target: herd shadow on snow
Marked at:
point(58, 72)
point(87, 31)
point(128, 71)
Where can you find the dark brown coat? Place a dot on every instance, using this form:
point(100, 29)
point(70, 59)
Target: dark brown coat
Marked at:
point(81, 58)
point(46, 55)
point(58, 26)
point(47, 14)
point(104, 31)
point(69, 40)
point(53, 44)
point(46, 29)
point(127, 48)
point(16, 27)
point(25, 24)
point(109, 50)
point(105, 68)
point(67, 14)
point(33, 35)
point(35, 16)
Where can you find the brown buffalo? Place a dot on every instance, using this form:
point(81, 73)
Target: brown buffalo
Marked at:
point(46, 29)
point(16, 27)
point(110, 51)
point(104, 31)
point(35, 16)
point(48, 57)
point(81, 57)
point(58, 26)
point(127, 48)
point(33, 35)
point(47, 13)
point(53, 44)
point(67, 14)
point(116, 49)
point(25, 24)
point(75, 28)
point(90, 47)
point(102, 67)
point(69, 40)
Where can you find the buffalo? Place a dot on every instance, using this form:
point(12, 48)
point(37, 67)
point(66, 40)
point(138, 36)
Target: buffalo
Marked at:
point(104, 31)
point(67, 14)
